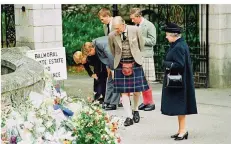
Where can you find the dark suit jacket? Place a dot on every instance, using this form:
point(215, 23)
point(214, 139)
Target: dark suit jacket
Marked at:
point(98, 66)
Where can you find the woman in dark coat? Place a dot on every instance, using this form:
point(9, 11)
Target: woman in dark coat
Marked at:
point(178, 101)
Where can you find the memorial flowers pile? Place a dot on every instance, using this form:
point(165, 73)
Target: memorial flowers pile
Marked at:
point(54, 118)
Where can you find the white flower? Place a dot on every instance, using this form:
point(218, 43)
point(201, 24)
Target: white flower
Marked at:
point(42, 112)
point(28, 125)
point(75, 107)
point(49, 124)
point(41, 129)
point(10, 123)
point(31, 116)
point(48, 136)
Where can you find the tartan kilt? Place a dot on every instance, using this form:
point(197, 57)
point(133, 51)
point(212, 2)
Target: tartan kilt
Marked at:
point(128, 84)
point(149, 68)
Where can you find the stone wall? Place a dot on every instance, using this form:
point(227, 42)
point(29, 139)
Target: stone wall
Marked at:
point(40, 26)
point(220, 45)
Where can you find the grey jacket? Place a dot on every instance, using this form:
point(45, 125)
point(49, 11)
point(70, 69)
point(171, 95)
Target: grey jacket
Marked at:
point(149, 35)
point(103, 51)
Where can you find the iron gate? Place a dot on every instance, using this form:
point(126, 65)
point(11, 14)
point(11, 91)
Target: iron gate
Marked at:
point(188, 17)
point(8, 36)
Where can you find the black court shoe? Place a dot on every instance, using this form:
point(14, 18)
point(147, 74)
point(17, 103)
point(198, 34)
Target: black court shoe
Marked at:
point(175, 135)
point(185, 136)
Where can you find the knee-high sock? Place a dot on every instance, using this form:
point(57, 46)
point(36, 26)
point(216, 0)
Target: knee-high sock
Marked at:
point(147, 96)
point(126, 105)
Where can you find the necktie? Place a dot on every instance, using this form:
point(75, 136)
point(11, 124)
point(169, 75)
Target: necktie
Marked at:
point(108, 29)
point(123, 34)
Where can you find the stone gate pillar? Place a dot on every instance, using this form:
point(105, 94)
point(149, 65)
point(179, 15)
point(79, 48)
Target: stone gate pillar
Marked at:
point(220, 45)
point(38, 26)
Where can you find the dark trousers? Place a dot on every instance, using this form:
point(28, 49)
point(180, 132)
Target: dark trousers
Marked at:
point(100, 86)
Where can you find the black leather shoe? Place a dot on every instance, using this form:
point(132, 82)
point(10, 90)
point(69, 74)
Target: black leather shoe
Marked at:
point(128, 122)
point(174, 136)
point(185, 136)
point(149, 107)
point(120, 105)
point(141, 106)
point(136, 116)
point(104, 105)
point(111, 107)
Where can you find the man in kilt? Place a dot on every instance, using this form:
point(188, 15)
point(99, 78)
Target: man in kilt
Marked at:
point(126, 44)
point(149, 35)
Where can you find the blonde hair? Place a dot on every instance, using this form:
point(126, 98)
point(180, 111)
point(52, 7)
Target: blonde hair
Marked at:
point(117, 20)
point(78, 57)
point(136, 11)
point(104, 12)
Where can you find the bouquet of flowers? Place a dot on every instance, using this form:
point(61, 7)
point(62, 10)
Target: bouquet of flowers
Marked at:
point(54, 118)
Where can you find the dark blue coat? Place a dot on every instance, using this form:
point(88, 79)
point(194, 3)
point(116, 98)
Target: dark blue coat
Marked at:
point(179, 101)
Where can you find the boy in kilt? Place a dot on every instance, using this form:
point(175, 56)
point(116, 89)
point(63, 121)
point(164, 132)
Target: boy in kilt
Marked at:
point(149, 35)
point(126, 44)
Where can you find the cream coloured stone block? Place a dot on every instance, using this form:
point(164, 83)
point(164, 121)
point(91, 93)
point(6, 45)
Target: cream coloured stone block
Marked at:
point(228, 20)
point(37, 6)
point(17, 16)
point(49, 34)
point(38, 34)
point(215, 51)
point(52, 17)
point(214, 36)
point(218, 21)
point(219, 8)
point(58, 16)
point(48, 6)
point(227, 52)
point(225, 37)
point(23, 18)
point(53, 44)
point(19, 6)
point(37, 17)
point(58, 6)
point(49, 17)
point(39, 46)
point(220, 51)
point(58, 33)
point(221, 36)
point(24, 33)
point(220, 66)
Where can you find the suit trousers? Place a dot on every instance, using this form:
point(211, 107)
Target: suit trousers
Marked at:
point(100, 87)
point(110, 97)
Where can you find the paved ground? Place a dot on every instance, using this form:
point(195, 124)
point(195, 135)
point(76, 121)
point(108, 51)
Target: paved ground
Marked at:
point(211, 126)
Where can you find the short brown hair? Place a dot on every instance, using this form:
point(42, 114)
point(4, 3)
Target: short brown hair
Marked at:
point(86, 47)
point(104, 12)
point(136, 11)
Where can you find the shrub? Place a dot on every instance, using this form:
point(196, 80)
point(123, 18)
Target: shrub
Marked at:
point(77, 29)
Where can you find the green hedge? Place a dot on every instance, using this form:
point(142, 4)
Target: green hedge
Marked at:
point(77, 29)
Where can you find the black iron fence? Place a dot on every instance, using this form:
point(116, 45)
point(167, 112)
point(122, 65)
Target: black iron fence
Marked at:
point(8, 37)
point(188, 17)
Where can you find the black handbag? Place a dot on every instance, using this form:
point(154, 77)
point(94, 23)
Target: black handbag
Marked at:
point(174, 81)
